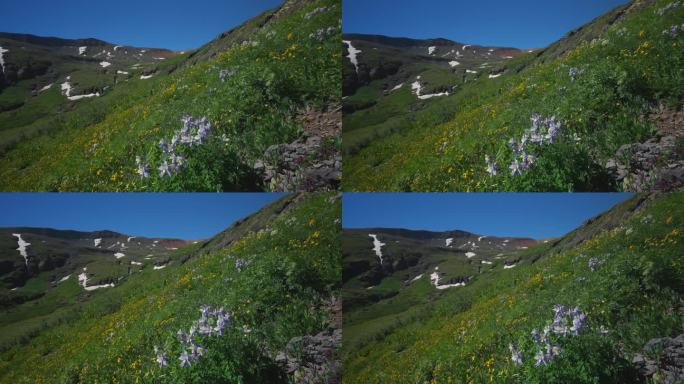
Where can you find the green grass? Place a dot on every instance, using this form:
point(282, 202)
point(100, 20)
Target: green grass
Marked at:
point(463, 334)
point(94, 146)
point(442, 147)
point(294, 268)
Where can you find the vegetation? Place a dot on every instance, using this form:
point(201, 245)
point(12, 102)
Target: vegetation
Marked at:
point(601, 91)
point(621, 271)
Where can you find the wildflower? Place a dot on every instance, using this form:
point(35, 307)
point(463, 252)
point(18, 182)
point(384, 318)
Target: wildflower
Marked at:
point(491, 166)
point(314, 12)
point(181, 335)
point(578, 322)
point(185, 359)
point(164, 169)
point(603, 330)
point(143, 168)
point(593, 263)
point(515, 167)
point(162, 359)
point(240, 264)
point(516, 356)
point(536, 337)
point(541, 358)
point(553, 350)
point(573, 72)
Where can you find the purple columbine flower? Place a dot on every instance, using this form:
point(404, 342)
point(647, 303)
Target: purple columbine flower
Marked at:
point(516, 356)
point(574, 72)
point(541, 358)
point(163, 145)
point(185, 359)
point(181, 336)
point(240, 264)
point(143, 170)
point(491, 166)
point(593, 263)
point(536, 337)
point(162, 359)
point(164, 169)
point(515, 167)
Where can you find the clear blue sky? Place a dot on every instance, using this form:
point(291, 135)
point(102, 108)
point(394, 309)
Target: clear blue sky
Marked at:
point(512, 23)
point(179, 215)
point(536, 215)
point(172, 24)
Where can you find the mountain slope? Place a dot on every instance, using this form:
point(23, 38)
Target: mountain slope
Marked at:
point(614, 103)
point(623, 285)
point(278, 284)
point(232, 105)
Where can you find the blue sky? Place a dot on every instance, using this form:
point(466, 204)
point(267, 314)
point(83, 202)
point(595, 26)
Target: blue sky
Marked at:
point(537, 215)
point(512, 23)
point(172, 24)
point(181, 215)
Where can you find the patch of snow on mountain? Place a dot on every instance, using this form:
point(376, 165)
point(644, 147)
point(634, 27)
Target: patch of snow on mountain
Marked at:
point(65, 278)
point(454, 63)
point(480, 238)
point(377, 246)
point(508, 57)
point(434, 278)
point(22, 247)
point(117, 47)
point(122, 72)
point(417, 278)
point(417, 88)
point(469, 71)
point(143, 77)
point(78, 97)
point(466, 46)
point(159, 266)
point(119, 255)
point(97, 242)
point(494, 76)
point(449, 241)
point(470, 254)
point(352, 54)
point(45, 88)
point(136, 263)
point(396, 87)
point(130, 238)
point(105, 64)
point(486, 262)
point(82, 50)
point(509, 266)
point(83, 281)
point(431, 50)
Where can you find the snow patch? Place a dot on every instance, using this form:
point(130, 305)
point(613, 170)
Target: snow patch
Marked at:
point(353, 54)
point(22, 247)
point(377, 246)
point(417, 278)
point(431, 50)
point(117, 47)
point(143, 77)
point(82, 50)
point(122, 72)
point(434, 278)
point(510, 266)
point(508, 57)
point(466, 46)
point(469, 71)
point(396, 87)
point(470, 254)
point(130, 238)
point(45, 88)
point(97, 242)
point(83, 281)
point(119, 255)
point(454, 63)
point(480, 238)
point(105, 64)
point(494, 76)
point(416, 88)
point(136, 263)
point(486, 262)
point(449, 241)
point(65, 278)
point(159, 266)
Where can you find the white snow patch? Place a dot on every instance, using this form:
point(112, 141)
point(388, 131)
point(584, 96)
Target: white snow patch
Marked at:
point(65, 278)
point(396, 87)
point(371, 287)
point(119, 255)
point(494, 76)
point(377, 246)
point(122, 72)
point(171, 249)
point(117, 47)
point(105, 64)
point(431, 50)
point(45, 88)
point(434, 278)
point(78, 97)
point(509, 266)
point(130, 238)
point(417, 278)
point(97, 242)
point(480, 238)
point(416, 88)
point(135, 263)
point(143, 77)
point(508, 57)
point(83, 281)
point(14, 289)
point(22, 247)
point(449, 241)
point(469, 71)
point(160, 58)
point(491, 50)
point(454, 63)
point(466, 46)
point(486, 262)
point(470, 254)
point(353, 53)
point(159, 266)
point(82, 50)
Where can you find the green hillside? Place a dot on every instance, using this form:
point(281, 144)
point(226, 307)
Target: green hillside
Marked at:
point(269, 295)
point(200, 121)
point(612, 91)
point(578, 309)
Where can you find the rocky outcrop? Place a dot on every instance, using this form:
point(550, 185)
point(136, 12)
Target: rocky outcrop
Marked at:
point(662, 360)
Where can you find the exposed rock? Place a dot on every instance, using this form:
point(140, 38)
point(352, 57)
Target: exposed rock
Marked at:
point(658, 163)
point(309, 163)
point(662, 360)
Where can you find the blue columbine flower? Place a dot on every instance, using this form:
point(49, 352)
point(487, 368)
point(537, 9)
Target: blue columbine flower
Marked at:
point(574, 72)
point(491, 166)
point(516, 356)
point(515, 167)
point(162, 359)
point(185, 359)
point(164, 169)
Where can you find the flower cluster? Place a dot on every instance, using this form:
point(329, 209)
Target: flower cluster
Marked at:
point(226, 73)
point(491, 166)
point(321, 33)
point(672, 5)
point(240, 264)
point(674, 30)
point(316, 11)
point(565, 322)
point(211, 322)
point(593, 263)
point(143, 167)
point(573, 73)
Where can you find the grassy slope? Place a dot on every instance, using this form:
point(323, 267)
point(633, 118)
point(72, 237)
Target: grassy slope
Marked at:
point(254, 109)
point(443, 146)
point(294, 268)
point(464, 335)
